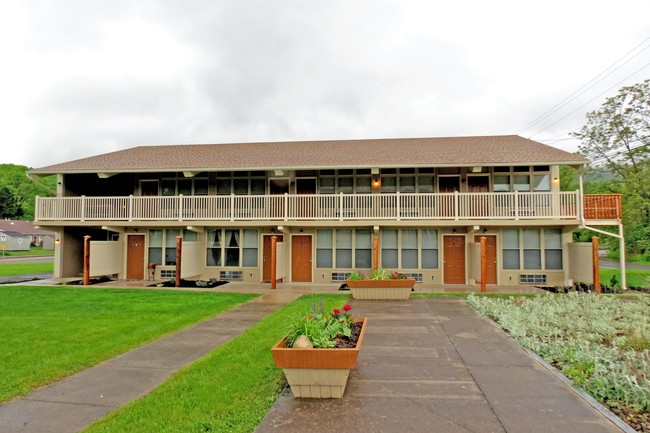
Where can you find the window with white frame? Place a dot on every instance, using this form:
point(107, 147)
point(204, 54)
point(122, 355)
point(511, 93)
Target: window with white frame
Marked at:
point(162, 245)
point(409, 248)
point(522, 178)
point(510, 249)
point(178, 184)
point(241, 183)
point(532, 249)
point(324, 248)
point(344, 248)
point(553, 248)
point(429, 249)
point(232, 248)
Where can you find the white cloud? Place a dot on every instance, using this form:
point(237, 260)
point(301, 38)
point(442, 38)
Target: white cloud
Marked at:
point(90, 77)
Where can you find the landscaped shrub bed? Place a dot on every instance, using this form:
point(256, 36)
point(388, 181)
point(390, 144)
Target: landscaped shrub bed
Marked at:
point(600, 342)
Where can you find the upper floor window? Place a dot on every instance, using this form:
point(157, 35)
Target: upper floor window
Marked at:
point(522, 178)
point(241, 183)
point(177, 185)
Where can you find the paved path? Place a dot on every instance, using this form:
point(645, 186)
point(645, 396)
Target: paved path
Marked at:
point(24, 278)
point(73, 403)
point(617, 265)
point(434, 365)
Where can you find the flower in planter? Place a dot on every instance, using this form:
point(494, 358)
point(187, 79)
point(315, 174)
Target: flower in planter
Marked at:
point(321, 328)
point(383, 274)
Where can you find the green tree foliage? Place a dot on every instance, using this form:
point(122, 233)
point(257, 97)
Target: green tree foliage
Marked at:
point(10, 206)
point(18, 192)
point(616, 138)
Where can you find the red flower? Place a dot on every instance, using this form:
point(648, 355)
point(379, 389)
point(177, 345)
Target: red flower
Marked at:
point(337, 311)
point(347, 307)
point(395, 277)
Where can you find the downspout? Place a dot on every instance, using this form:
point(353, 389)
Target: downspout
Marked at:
point(620, 236)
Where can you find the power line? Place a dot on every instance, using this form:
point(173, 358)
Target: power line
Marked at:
point(591, 100)
point(587, 86)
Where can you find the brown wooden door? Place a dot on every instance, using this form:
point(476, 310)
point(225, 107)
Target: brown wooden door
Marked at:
point(266, 257)
point(277, 188)
point(306, 206)
point(478, 206)
point(448, 185)
point(454, 259)
point(135, 257)
point(490, 257)
point(301, 258)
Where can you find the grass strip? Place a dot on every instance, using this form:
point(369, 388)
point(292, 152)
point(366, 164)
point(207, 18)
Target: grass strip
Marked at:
point(47, 333)
point(635, 277)
point(229, 390)
point(33, 251)
point(16, 269)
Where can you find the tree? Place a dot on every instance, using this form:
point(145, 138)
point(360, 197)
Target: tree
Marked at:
point(16, 189)
point(10, 204)
point(617, 137)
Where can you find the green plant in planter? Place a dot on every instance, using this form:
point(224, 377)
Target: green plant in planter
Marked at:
point(381, 274)
point(355, 276)
point(320, 327)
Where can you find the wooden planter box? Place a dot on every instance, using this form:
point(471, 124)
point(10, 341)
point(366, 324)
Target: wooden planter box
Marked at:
point(317, 373)
point(381, 289)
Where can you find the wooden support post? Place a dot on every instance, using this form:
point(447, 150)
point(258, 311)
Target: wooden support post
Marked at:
point(483, 264)
point(179, 253)
point(596, 263)
point(86, 260)
point(274, 260)
point(375, 253)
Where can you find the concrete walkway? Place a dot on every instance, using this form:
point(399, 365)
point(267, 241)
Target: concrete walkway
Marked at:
point(73, 403)
point(434, 365)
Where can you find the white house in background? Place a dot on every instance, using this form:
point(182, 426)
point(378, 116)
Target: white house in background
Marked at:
point(428, 200)
point(37, 237)
point(14, 241)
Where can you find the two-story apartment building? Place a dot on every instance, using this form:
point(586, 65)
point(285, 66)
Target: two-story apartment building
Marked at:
point(428, 200)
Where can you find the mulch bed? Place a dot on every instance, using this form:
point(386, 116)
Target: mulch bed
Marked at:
point(640, 421)
point(349, 342)
point(192, 283)
point(91, 281)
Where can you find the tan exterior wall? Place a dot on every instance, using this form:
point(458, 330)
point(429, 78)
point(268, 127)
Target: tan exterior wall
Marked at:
point(106, 258)
point(474, 265)
point(192, 259)
point(72, 252)
point(581, 262)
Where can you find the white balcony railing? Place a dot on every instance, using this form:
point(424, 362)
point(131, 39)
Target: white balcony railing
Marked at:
point(290, 207)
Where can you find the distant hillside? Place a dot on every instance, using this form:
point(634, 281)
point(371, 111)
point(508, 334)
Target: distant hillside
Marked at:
point(18, 192)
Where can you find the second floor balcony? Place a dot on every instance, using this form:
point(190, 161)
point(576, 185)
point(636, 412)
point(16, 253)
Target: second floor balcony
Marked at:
point(331, 207)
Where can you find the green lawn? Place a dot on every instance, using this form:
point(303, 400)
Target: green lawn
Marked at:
point(635, 277)
point(50, 332)
point(16, 269)
point(33, 251)
point(229, 390)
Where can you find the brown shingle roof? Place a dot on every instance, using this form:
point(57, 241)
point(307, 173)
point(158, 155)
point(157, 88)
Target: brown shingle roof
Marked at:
point(449, 151)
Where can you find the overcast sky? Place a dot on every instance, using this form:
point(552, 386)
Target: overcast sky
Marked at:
point(80, 78)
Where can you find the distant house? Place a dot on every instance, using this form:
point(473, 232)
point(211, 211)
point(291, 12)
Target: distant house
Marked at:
point(421, 206)
point(14, 241)
point(36, 236)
